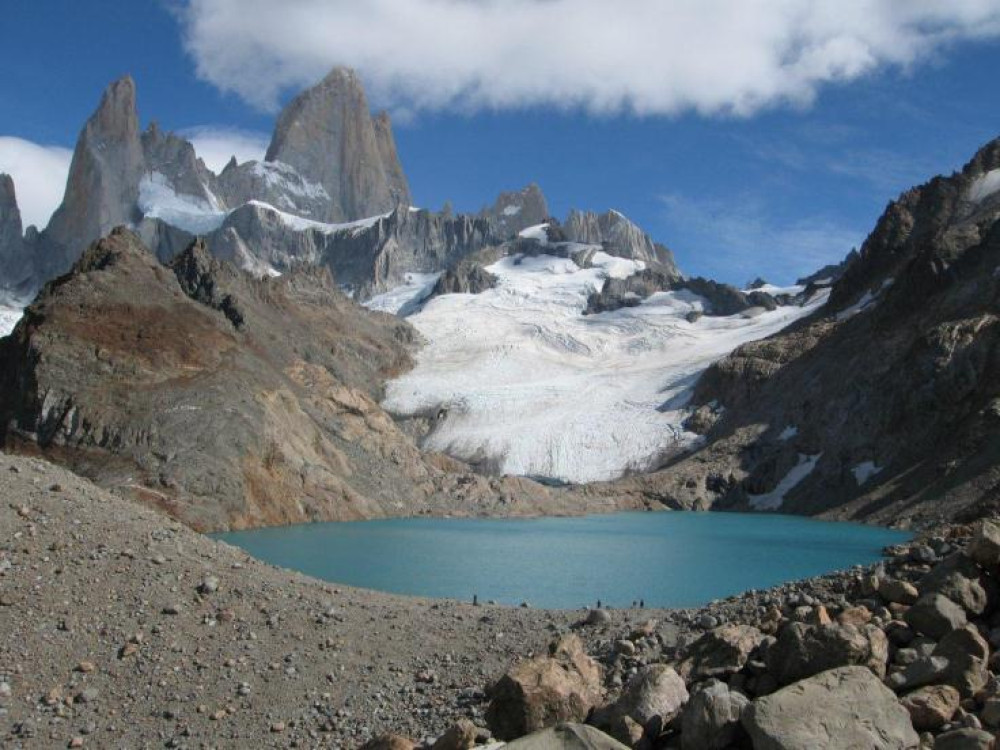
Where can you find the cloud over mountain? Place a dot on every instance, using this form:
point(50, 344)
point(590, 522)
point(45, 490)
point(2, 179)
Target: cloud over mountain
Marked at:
point(650, 57)
point(39, 174)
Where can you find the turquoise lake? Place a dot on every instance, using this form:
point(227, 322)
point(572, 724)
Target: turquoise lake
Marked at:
point(668, 559)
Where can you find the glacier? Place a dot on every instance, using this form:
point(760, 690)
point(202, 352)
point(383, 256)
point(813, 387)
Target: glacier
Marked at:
point(519, 381)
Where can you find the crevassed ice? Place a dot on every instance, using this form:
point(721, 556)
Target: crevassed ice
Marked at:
point(405, 297)
point(159, 200)
point(774, 499)
point(531, 385)
point(985, 185)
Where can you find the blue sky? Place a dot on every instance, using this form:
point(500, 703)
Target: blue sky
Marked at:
point(739, 178)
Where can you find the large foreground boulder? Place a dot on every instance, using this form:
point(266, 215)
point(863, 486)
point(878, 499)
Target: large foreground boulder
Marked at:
point(846, 708)
point(804, 650)
point(547, 690)
point(711, 719)
point(721, 651)
point(567, 737)
point(652, 699)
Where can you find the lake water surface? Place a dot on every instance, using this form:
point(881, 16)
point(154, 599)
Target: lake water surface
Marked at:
point(669, 559)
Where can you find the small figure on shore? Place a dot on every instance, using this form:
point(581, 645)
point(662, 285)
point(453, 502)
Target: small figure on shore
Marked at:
point(642, 604)
point(475, 600)
point(598, 603)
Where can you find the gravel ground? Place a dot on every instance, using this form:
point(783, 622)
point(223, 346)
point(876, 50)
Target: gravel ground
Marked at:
point(124, 629)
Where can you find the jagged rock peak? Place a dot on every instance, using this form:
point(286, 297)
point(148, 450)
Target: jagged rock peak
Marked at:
point(11, 229)
point(519, 209)
point(103, 185)
point(619, 235)
point(327, 133)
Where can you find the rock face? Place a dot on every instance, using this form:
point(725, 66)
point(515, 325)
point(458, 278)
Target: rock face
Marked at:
point(225, 400)
point(900, 362)
point(328, 136)
point(103, 186)
point(618, 236)
point(844, 708)
point(518, 210)
point(12, 249)
point(468, 277)
point(547, 690)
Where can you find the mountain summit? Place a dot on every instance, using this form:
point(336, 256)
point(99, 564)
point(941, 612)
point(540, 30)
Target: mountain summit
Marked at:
point(328, 136)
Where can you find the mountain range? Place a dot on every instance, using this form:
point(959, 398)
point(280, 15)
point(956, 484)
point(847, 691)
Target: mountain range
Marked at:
point(290, 339)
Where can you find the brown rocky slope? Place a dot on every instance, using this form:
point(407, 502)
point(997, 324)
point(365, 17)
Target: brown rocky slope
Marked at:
point(228, 401)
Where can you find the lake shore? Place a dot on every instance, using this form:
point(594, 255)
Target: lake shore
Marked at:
point(126, 629)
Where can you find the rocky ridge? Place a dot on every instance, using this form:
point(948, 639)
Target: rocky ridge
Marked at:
point(880, 405)
point(229, 401)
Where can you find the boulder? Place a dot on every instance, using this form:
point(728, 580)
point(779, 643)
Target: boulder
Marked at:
point(652, 698)
point(544, 691)
point(965, 739)
point(895, 591)
point(967, 655)
point(711, 719)
point(923, 670)
point(931, 707)
point(935, 615)
point(963, 582)
point(847, 708)
point(804, 650)
point(567, 737)
point(985, 545)
point(719, 652)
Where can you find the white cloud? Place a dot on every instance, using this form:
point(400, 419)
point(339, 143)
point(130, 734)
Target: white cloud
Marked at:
point(643, 56)
point(216, 145)
point(736, 240)
point(39, 174)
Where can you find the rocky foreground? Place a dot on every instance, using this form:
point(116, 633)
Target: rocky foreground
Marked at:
point(123, 628)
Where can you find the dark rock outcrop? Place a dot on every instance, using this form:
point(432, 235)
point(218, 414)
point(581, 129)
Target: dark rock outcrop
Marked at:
point(14, 258)
point(468, 277)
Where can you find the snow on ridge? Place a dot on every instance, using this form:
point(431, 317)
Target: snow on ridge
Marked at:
point(301, 224)
point(984, 186)
point(867, 300)
point(774, 499)
point(159, 200)
point(536, 232)
point(529, 383)
point(511, 210)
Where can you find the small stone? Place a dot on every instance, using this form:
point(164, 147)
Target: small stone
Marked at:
point(172, 609)
point(76, 742)
point(87, 695)
point(5, 691)
point(278, 726)
point(898, 592)
point(707, 622)
point(208, 585)
point(86, 667)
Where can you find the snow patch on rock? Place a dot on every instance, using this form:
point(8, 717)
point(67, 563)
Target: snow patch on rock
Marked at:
point(9, 316)
point(159, 200)
point(404, 298)
point(774, 499)
point(865, 471)
point(985, 186)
